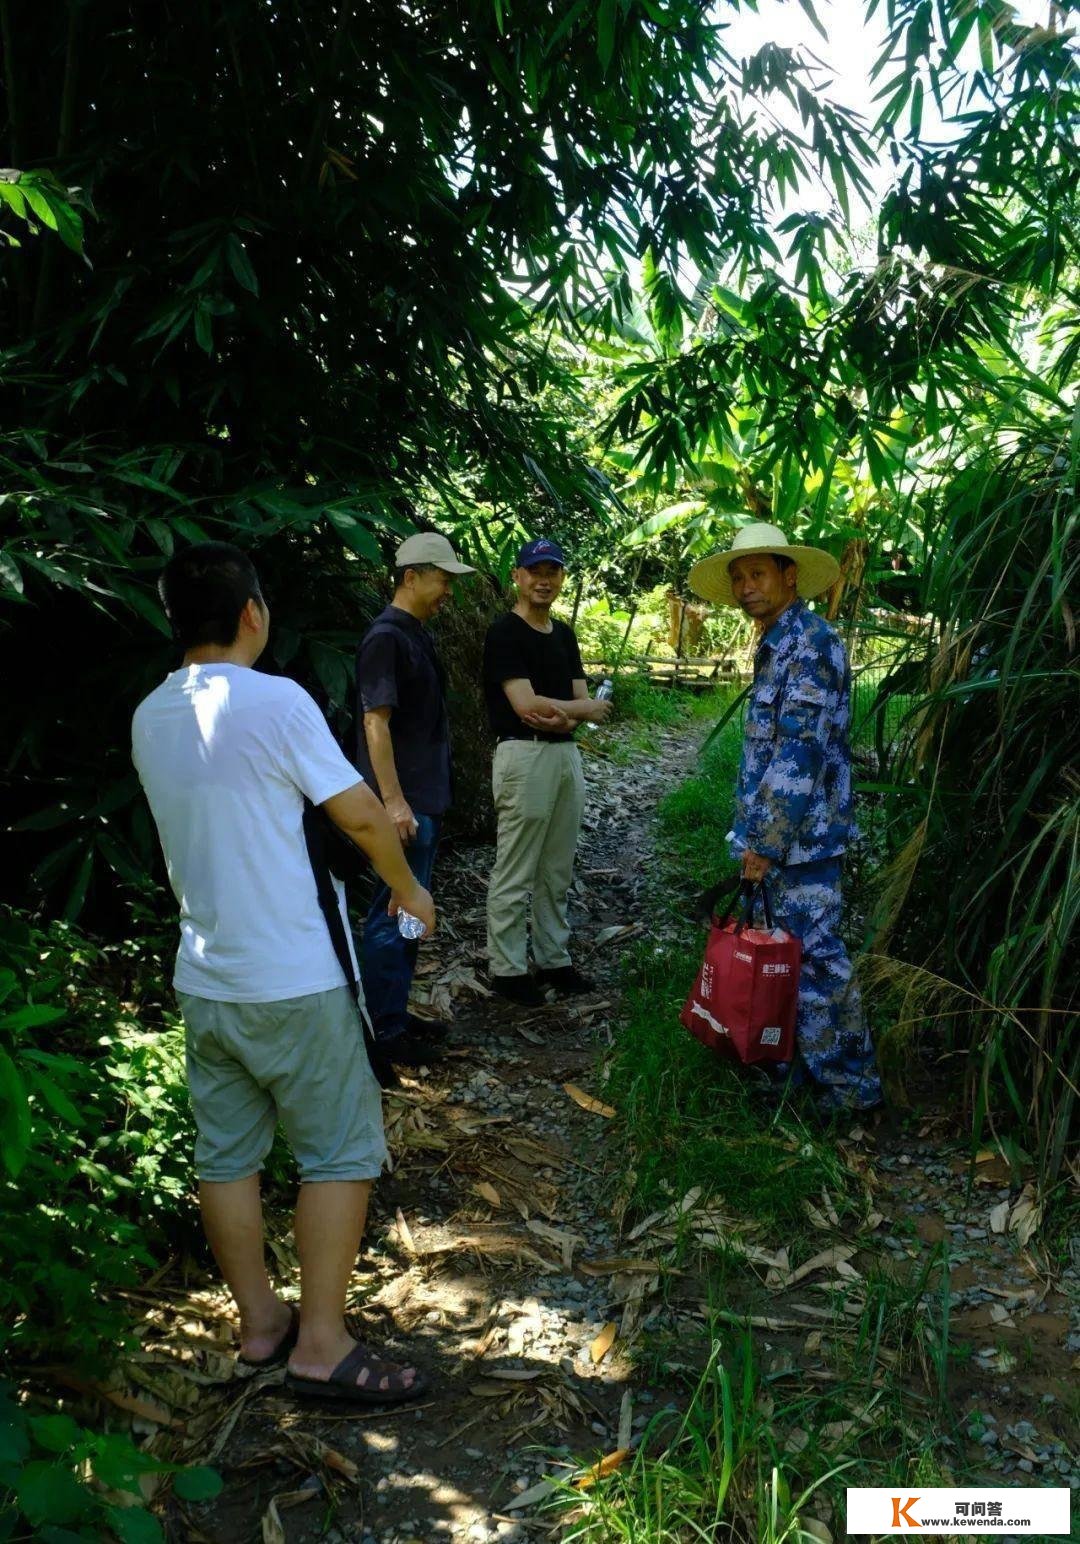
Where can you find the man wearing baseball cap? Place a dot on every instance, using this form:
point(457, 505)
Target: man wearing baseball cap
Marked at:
point(793, 796)
point(403, 750)
point(536, 692)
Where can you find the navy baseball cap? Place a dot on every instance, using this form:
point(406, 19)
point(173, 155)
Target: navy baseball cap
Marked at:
point(540, 551)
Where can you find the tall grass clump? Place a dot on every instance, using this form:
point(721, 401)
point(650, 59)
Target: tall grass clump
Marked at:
point(637, 697)
point(689, 1118)
point(711, 1472)
point(756, 1457)
point(979, 904)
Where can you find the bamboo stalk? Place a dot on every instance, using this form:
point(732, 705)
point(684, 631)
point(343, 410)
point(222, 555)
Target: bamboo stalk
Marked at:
point(318, 128)
point(64, 136)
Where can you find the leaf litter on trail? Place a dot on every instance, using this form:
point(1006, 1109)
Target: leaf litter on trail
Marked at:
point(1022, 1216)
point(603, 1342)
point(565, 1240)
point(587, 1102)
point(541, 1396)
point(600, 1471)
point(273, 1531)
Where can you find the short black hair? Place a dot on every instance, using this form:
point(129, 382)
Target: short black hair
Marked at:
point(417, 568)
point(204, 589)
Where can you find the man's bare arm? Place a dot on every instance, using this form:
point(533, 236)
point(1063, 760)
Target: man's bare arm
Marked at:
point(381, 750)
point(597, 712)
point(359, 814)
point(530, 706)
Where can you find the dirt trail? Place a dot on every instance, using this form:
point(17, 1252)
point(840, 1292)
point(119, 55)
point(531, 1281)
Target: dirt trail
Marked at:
point(472, 1264)
point(494, 1262)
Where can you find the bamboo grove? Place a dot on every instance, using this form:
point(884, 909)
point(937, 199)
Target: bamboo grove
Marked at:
point(309, 275)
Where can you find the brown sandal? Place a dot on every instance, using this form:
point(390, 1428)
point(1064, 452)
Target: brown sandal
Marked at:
point(344, 1385)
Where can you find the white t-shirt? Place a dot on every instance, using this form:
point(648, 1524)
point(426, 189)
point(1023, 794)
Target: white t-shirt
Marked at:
point(226, 755)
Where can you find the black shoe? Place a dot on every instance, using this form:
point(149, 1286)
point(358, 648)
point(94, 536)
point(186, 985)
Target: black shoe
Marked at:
point(381, 1066)
point(522, 990)
point(413, 1050)
point(437, 1029)
point(566, 979)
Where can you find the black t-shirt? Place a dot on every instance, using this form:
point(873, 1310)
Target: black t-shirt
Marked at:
point(514, 651)
point(397, 668)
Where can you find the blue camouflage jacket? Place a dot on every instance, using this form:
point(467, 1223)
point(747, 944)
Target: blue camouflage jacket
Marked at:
point(793, 796)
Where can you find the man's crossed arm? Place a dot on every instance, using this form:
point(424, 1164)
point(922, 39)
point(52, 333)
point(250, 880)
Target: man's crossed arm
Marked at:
point(555, 715)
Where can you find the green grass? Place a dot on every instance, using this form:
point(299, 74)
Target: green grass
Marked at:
point(696, 816)
point(643, 710)
point(691, 1119)
point(636, 697)
point(761, 1452)
point(755, 1457)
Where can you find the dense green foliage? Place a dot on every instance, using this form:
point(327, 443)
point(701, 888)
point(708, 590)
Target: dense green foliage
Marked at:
point(308, 276)
point(95, 1134)
point(325, 248)
point(54, 1477)
point(984, 789)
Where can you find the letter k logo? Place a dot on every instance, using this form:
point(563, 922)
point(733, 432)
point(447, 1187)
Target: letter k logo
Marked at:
point(904, 1512)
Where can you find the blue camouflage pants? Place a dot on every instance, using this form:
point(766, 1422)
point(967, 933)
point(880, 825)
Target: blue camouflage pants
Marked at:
point(832, 1040)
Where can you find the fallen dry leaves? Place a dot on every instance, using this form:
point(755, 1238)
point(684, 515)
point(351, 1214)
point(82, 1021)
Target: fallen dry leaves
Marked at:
point(1022, 1216)
point(603, 1342)
point(600, 1471)
point(587, 1102)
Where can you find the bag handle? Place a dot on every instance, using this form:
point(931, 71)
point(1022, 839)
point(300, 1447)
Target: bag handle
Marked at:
point(751, 889)
point(705, 907)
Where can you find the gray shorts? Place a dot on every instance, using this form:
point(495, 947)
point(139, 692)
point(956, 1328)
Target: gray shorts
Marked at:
point(301, 1061)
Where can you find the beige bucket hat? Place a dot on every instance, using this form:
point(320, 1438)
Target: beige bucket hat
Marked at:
point(817, 569)
point(430, 547)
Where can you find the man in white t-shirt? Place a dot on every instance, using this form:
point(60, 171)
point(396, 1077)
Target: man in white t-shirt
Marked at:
point(227, 757)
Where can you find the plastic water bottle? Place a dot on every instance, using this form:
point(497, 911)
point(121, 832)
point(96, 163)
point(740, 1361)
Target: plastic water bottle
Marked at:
point(408, 926)
point(604, 693)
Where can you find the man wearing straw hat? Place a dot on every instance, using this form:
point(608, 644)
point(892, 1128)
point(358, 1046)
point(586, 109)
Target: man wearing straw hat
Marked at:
point(793, 797)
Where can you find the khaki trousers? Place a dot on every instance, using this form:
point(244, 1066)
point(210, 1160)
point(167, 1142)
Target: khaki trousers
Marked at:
point(539, 795)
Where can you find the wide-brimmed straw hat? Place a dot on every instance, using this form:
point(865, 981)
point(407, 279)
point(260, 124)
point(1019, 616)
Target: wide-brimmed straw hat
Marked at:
point(817, 569)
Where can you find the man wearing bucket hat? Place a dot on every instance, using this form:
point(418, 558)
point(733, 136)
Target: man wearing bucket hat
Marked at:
point(793, 796)
point(403, 750)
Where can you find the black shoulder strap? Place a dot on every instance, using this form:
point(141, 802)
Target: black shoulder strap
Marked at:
point(331, 910)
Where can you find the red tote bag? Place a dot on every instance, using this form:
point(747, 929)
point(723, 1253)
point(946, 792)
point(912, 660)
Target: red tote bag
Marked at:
point(744, 1000)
